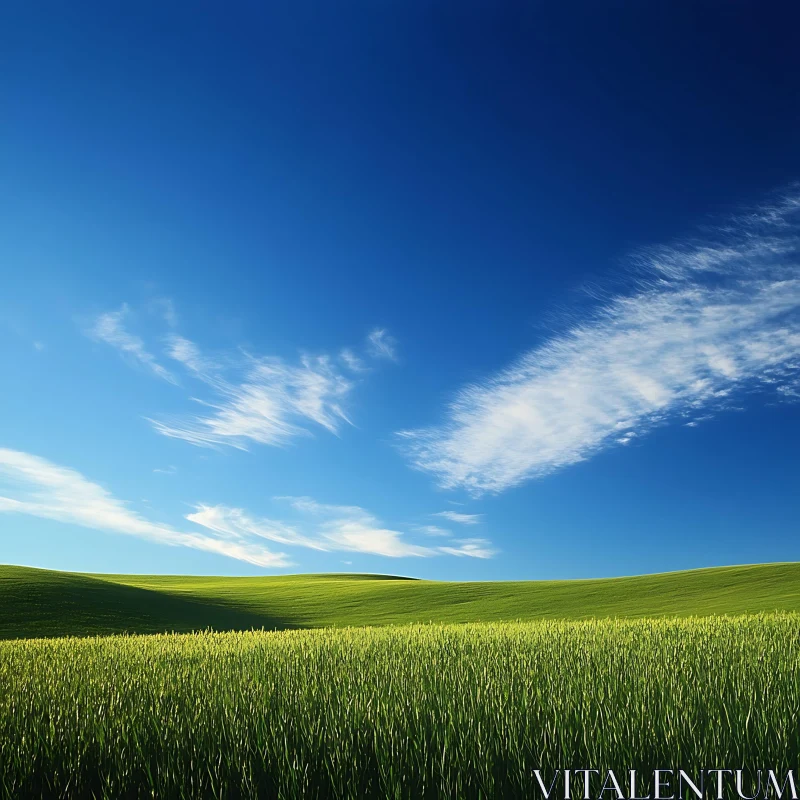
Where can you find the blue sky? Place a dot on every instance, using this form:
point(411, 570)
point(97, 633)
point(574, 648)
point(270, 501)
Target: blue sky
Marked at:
point(461, 291)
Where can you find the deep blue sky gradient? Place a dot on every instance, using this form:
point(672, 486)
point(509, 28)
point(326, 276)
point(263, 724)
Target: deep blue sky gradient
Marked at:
point(293, 175)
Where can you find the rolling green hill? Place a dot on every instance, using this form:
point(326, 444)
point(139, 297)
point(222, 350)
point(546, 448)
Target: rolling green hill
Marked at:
point(37, 602)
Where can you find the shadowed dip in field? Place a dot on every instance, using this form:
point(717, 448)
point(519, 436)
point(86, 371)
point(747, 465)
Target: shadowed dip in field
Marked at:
point(43, 603)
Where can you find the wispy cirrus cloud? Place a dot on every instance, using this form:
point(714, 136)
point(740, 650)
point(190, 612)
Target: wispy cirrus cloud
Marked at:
point(470, 548)
point(237, 523)
point(707, 319)
point(270, 402)
point(249, 398)
point(343, 528)
point(110, 328)
point(329, 527)
point(260, 399)
point(36, 487)
point(461, 519)
point(352, 361)
point(432, 530)
point(380, 344)
point(188, 353)
point(355, 529)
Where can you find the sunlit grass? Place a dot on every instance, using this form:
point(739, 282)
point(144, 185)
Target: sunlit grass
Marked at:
point(413, 711)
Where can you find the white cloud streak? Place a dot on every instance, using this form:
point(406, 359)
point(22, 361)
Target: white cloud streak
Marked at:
point(170, 470)
point(352, 361)
point(381, 345)
point(253, 399)
point(433, 530)
point(365, 537)
point(343, 528)
point(333, 528)
point(110, 328)
point(461, 519)
point(708, 319)
point(270, 401)
point(471, 548)
point(271, 404)
point(36, 487)
point(236, 523)
point(187, 353)
point(353, 528)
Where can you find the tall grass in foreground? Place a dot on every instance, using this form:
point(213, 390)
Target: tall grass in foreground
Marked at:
point(419, 711)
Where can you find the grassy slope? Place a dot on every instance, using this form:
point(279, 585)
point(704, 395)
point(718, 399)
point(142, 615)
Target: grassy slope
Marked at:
point(42, 603)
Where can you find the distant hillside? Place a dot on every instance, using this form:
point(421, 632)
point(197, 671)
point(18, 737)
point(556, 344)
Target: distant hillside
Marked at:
point(43, 603)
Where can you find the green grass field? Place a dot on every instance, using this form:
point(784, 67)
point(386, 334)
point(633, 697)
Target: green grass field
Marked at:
point(686, 670)
point(43, 603)
point(458, 711)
